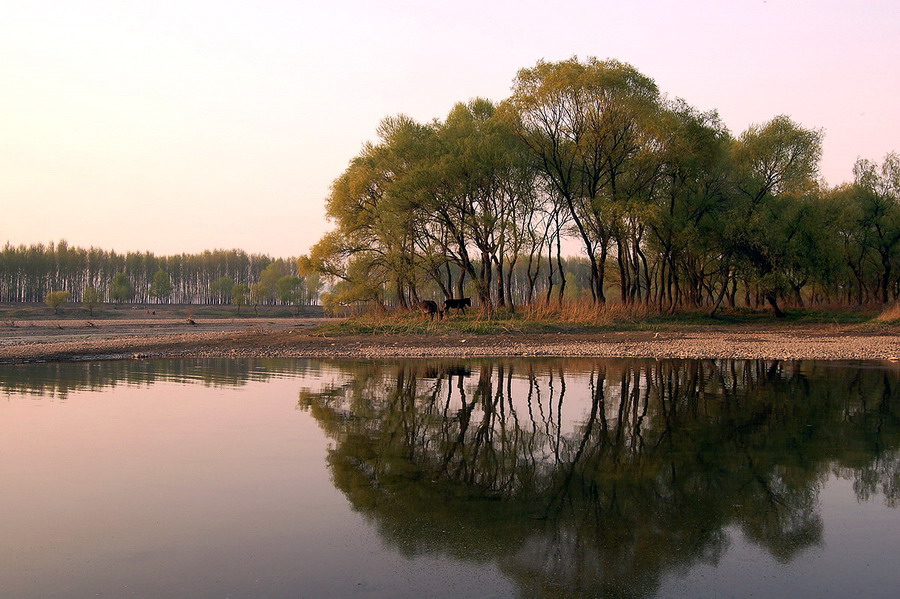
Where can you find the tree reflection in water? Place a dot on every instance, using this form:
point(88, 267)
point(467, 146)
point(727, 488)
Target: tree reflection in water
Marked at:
point(602, 477)
point(59, 379)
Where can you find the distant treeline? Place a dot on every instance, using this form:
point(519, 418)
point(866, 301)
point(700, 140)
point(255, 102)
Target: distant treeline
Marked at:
point(670, 210)
point(30, 273)
point(61, 379)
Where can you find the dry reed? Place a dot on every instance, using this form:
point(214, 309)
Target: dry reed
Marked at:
point(585, 312)
point(890, 313)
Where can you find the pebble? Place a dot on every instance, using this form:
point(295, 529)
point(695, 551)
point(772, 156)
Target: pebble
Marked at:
point(811, 344)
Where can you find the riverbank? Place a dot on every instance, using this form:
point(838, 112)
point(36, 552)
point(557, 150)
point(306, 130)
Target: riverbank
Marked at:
point(49, 340)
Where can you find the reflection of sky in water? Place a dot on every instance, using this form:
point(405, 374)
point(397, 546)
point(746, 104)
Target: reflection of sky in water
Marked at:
point(204, 479)
point(180, 490)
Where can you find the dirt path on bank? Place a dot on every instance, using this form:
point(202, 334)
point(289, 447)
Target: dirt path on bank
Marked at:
point(49, 340)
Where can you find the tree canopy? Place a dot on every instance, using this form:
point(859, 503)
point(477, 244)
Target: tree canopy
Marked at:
point(666, 204)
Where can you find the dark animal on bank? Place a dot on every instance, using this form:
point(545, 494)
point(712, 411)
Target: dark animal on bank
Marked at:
point(430, 308)
point(458, 304)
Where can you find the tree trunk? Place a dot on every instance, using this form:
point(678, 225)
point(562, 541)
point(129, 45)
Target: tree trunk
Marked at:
point(601, 273)
point(773, 301)
point(501, 282)
point(718, 302)
point(510, 271)
point(559, 266)
point(624, 282)
point(731, 294)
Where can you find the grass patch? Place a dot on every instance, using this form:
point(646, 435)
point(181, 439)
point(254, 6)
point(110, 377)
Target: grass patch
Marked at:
point(475, 323)
point(217, 312)
point(587, 318)
point(13, 313)
point(835, 316)
point(108, 311)
point(413, 324)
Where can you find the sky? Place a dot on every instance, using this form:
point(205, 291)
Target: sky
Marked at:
point(179, 126)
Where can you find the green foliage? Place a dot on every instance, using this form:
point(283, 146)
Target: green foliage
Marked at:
point(270, 275)
point(120, 290)
point(290, 290)
point(877, 195)
point(240, 295)
point(258, 294)
point(779, 157)
point(161, 287)
point(264, 291)
point(223, 288)
point(55, 299)
point(595, 129)
point(91, 298)
point(768, 229)
point(667, 206)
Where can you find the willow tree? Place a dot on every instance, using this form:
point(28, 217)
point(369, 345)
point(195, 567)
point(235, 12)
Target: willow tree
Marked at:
point(684, 219)
point(588, 124)
point(91, 298)
point(773, 161)
point(877, 190)
point(55, 299)
point(471, 194)
point(371, 247)
point(435, 204)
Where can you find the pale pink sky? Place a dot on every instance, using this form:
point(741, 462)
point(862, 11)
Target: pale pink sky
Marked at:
point(176, 126)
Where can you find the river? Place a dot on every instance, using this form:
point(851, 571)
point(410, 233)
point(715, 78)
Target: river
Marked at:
point(453, 478)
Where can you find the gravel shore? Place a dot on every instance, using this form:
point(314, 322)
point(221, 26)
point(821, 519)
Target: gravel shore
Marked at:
point(296, 338)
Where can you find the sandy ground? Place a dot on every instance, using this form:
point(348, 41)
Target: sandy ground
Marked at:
point(67, 340)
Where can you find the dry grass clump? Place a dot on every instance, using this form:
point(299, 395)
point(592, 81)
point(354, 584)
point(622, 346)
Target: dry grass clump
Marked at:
point(890, 314)
point(582, 312)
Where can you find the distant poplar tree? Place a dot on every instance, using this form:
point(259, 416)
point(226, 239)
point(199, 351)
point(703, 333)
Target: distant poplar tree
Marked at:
point(161, 287)
point(222, 289)
point(290, 291)
point(120, 290)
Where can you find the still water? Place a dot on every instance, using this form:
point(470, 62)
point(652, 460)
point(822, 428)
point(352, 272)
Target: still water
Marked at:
point(493, 478)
